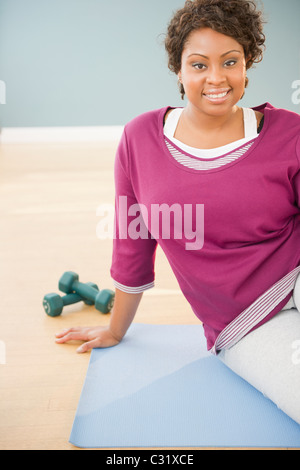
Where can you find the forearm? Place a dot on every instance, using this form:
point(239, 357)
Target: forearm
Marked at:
point(123, 313)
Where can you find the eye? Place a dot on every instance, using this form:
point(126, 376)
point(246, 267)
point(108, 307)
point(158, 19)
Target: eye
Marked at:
point(230, 63)
point(199, 66)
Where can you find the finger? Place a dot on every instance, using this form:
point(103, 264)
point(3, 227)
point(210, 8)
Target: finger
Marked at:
point(95, 343)
point(73, 336)
point(66, 331)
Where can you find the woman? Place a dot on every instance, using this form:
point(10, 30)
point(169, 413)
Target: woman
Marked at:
point(242, 166)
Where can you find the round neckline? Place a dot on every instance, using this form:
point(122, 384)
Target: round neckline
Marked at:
point(211, 153)
point(255, 142)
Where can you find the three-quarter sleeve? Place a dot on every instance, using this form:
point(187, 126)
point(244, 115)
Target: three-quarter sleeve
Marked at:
point(133, 259)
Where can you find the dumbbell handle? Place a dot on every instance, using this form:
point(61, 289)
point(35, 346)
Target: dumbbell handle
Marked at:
point(71, 299)
point(85, 291)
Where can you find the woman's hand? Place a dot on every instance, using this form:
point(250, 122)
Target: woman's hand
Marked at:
point(94, 337)
point(122, 315)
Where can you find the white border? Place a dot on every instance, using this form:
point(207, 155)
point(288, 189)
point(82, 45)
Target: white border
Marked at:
point(18, 135)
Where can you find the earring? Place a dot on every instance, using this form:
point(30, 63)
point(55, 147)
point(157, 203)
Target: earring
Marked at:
point(182, 92)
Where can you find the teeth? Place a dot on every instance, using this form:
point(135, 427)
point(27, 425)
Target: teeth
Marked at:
point(221, 95)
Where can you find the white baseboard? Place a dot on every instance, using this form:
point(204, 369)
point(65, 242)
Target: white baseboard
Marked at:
point(18, 135)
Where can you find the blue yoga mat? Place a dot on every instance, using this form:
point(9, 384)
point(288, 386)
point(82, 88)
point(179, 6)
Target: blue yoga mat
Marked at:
point(161, 388)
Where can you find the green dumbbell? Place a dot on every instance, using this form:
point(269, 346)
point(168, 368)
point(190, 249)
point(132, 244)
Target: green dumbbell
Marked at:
point(103, 299)
point(53, 303)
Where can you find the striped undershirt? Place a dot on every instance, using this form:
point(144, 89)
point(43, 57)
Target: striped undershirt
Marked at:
point(196, 164)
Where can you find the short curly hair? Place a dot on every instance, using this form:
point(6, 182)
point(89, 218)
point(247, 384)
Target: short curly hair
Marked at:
point(239, 19)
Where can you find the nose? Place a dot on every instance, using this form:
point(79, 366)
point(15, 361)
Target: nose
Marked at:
point(216, 76)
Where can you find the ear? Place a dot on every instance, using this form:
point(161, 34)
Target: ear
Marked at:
point(179, 77)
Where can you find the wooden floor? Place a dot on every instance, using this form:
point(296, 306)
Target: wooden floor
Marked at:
point(49, 195)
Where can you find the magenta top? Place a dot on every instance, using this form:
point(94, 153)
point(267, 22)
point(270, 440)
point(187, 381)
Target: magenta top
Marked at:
point(229, 226)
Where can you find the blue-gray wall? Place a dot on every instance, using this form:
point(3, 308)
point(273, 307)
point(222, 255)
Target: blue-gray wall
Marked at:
point(99, 62)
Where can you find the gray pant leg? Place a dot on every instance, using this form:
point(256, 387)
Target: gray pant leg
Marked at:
point(269, 359)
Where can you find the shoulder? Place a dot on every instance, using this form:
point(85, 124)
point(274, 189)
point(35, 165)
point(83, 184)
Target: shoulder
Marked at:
point(279, 114)
point(150, 120)
point(280, 122)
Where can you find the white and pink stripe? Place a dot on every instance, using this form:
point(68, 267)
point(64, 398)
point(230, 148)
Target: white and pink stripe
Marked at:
point(197, 164)
point(257, 312)
point(133, 290)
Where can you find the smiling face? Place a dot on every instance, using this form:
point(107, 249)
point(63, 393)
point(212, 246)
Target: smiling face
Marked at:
point(213, 72)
